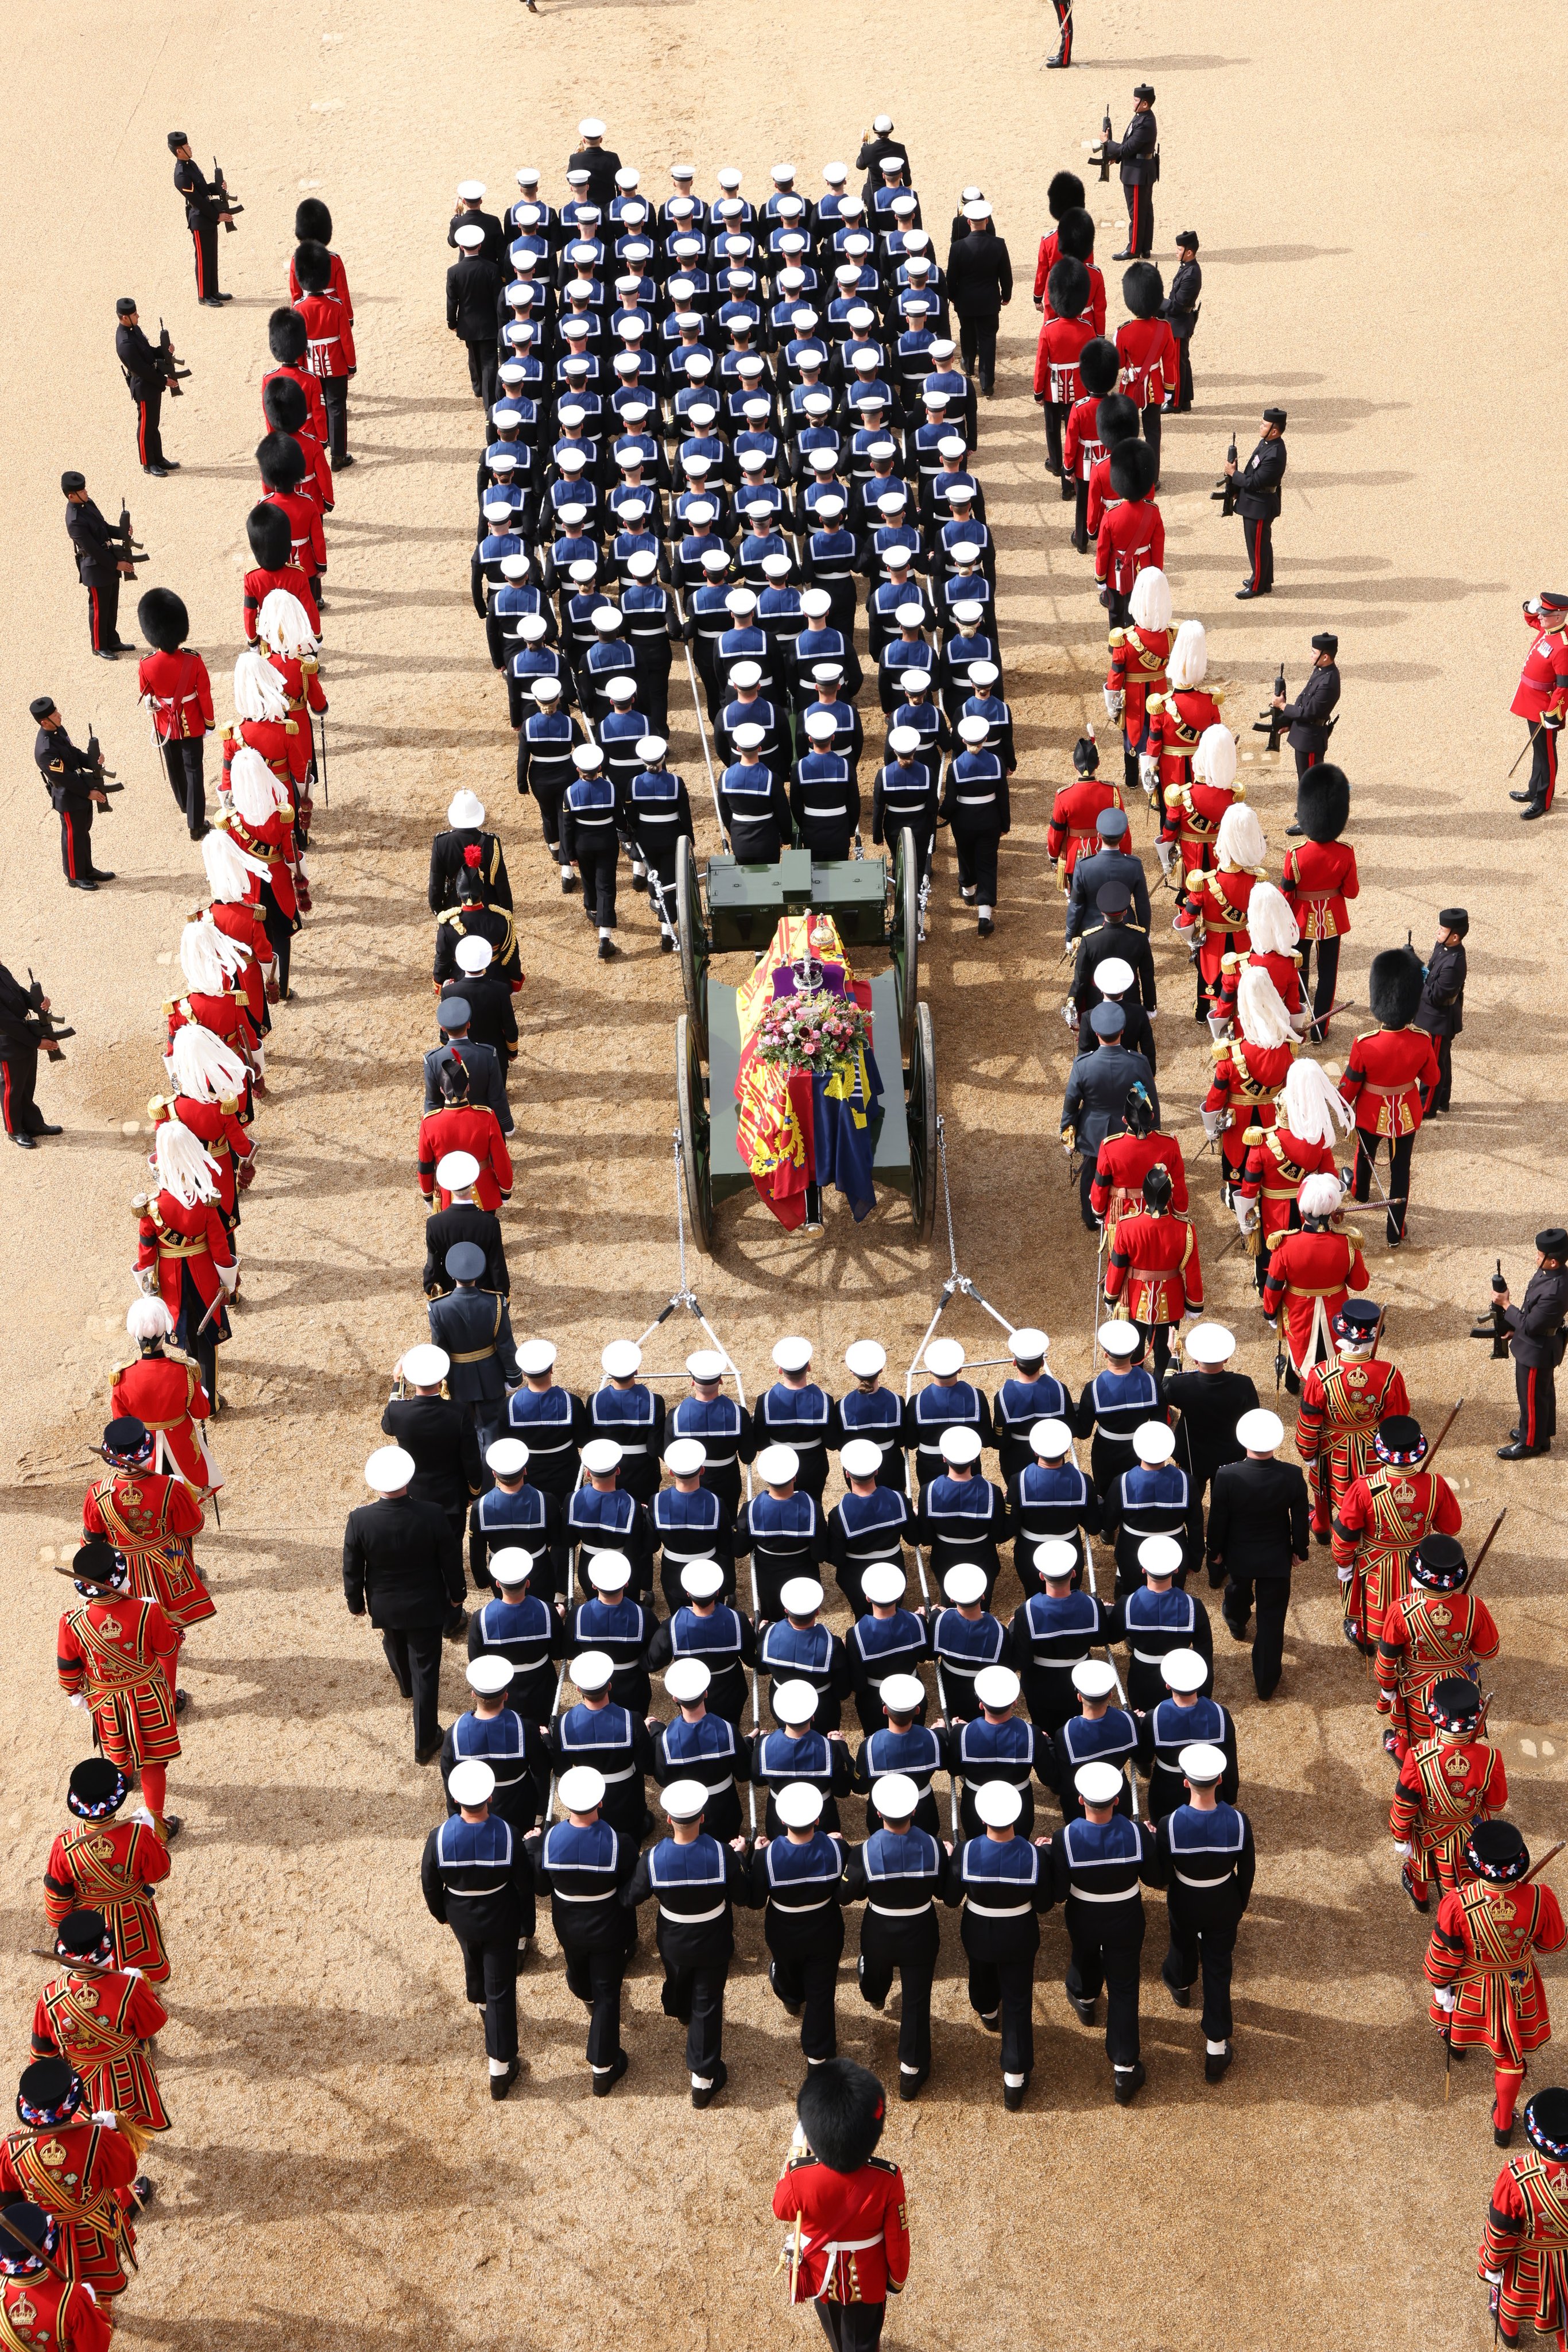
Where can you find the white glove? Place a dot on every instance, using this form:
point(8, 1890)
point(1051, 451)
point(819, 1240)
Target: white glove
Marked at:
point(1246, 1215)
point(77, 1699)
point(107, 2116)
point(1213, 1123)
point(228, 1276)
point(1492, 2278)
point(1114, 701)
point(1165, 851)
point(1447, 1999)
point(1070, 1013)
point(1344, 1574)
point(1148, 770)
point(1403, 1848)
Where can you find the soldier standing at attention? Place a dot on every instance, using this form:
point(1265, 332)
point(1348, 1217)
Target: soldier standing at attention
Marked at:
point(1258, 503)
point(1138, 152)
point(206, 206)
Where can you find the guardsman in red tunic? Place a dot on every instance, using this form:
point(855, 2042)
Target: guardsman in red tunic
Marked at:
point(235, 879)
point(1271, 928)
point(848, 2248)
point(1386, 1076)
point(162, 1388)
point(286, 410)
point(1137, 668)
point(289, 344)
point(1541, 696)
point(119, 1657)
point(1385, 1513)
point(40, 2306)
point(211, 1086)
point(97, 2017)
point(173, 683)
point(1319, 876)
point(1124, 1159)
point(261, 819)
point(329, 325)
point(1438, 1629)
point(110, 1866)
point(1309, 1275)
point(1342, 1403)
point(1448, 1781)
point(1480, 1963)
point(1179, 717)
point(281, 463)
point(1217, 898)
point(1081, 448)
point(283, 626)
point(263, 721)
point(150, 1519)
point(1146, 349)
point(1132, 534)
point(1248, 1072)
point(267, 528)
point(183, 1247)
point(209, 961)
point(461, 1125)
point(1077, 810)
point(1524, 2252)
point(81, 2170)
point(1296, 1143)
point(313, 219)
point(1191, 814)
point(1154, 1268)
point(1066, 327)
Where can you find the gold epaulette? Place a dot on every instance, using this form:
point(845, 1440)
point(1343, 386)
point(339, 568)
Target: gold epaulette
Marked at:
point(229, 1106)
point(308, 665)
point(1152, 702)
point(291, 726)
point(1253, 1134)
point(449, 914)
point(168, 1008)
point(123, 1365)
point(226, 733)
point(1228, 962)
point(159, 1108)
point(1296, 958)
point(1238, 792)
point(1115, 636)
point(1173, 793)
point(1352, 1234)
point(1221, 1050)
point(1217, 694)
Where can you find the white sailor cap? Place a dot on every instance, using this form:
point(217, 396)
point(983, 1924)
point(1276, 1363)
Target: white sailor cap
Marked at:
point(777, 567)
point(601, 1455)
point(798, 1805)
point(686, 1681)
point(528, 177)
point(746, 673)
point(426, 1366)
point(999, 1804)
point(1050, 1439)
point(974, 730)
point(895, 1795)
point(489, 1673)
point(507, 1457)
point(705, 1364)
point(642, 565)
point(778, 1465)
point(532, 626)
point(865, 1358)
point(740, 599)
point(912, 682)
point(967, 612)
point(580, 1789)
point(959, 1445)
point(997, 1688)
point(578, 179)
point(1112, 976)
point(511, 1566)
point(795, 1701)
point(1159, 1556)
point(943, 349)
point(591, 127)
point(965, 1583)
point(1094, 1678)
point(908, 617)
point(821, 725)
point(471, 191)
point(901, 1693)
point(456, 1170)
point(1184, 1670)
point(906, 205)
point(835, 172)
point(1153, 1443)
point(1208, 1343)
point(496, 509)
point(850, 207)
point(514, 567)
point(944, 1357)
point(965, 551)
point(983, 673)
point(702, 1580)
point(651, 748)
point(626, 177)
point(883, 1584)
point(546, 691)
point(890, 503)
point(1119, 1339)
point(936, 402)
point(792, 1353)
point(621, 689)
point(1203, 1764)
point(749, 736)
point(979, 211)
point(815, 602)
point(1055, 1557)
point(753, 460)
point(1260, 1431)
point(471, 1782)
point(535, 1356)
point(1099, 1784)
point(610, 1571)
point(800, 1596)
point(586, 758)
point(684, 1457)
point(621, 1359)
point(683, 1800)
point(729, 178)
point(682, 172)
point(903, 740)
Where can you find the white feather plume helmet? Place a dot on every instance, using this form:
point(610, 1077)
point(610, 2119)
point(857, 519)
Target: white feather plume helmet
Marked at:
point(1260, 1009)
point(202, 960)
point(1214, 759)
point(184, 1167)
point(230, 868)
point(1274, 929)
point(1314, 1107)
point(253, 787)
point(1189, 663)
point(1150, 602)
point(1240, 841)
point(148, 1318)
point(203, 1067)
point(284, 625)
point(258, 690)
point(1319, 1196)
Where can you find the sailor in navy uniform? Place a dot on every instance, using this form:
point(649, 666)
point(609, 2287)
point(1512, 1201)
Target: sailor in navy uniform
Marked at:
point(997, 1744)
point(592, 815)
point(614, 1741)
point(797, 1883)
point(797, 1413)
point(659, 811)
point(798, 1647)
point(824, 798)
point(1153, 1497)
point(521, 1627)
point(1052, 1633)
point(904, 1745)
point(492, 1730)
point(1204, 1859)
point(695, 1882)
point(551, 1422)
point(710, 1629)
point(1003, 1884)
point(602, 1516)
point(1051, 1500)
point(1096, 1864)
point(1184, 1716)
point(974, 799)
point(945, 1401)
point(781, 1528)
point(721, 1425)
point(797, 1750)
point(872, 1413)
point(1120, 1398)
point(965, 1637)
point(905, 794)
point(962, 1516)
point(753, 800)
point(869, 1526)
point(688, 1520)
point(898, 1874)
point(613, 1623)
point(1099, 1734)
point(514, 1512)
point(583, 1864)
point(697, 1745)
point(1154, 1618)
point(631, 1414)
point(475, 1879)
point(1029, 1395)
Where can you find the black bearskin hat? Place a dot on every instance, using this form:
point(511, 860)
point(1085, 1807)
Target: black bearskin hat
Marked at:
point(841, 2107)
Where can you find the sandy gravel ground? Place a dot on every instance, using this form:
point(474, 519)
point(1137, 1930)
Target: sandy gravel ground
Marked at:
point(1373, 259)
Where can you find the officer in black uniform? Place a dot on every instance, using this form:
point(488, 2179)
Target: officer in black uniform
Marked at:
point(1537, 1347)
point(1138, 152)
point(1258, 503)
point(1096, 1102)
point(1441, 1012)
point(75, 784)
point(103, 559)
point(146, 371)
point(473, 296)
point(1310, 717)
point(1114, 938)
point(1180, 308)
point(25, 1032)
point(206, 206)
point(486, 1079)
point(879, 148)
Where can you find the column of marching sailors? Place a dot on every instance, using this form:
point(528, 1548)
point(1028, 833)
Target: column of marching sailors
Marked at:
point(89, 2102)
